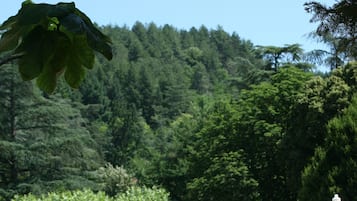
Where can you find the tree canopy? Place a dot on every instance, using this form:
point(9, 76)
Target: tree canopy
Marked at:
point(338, 20)
point(201, 113)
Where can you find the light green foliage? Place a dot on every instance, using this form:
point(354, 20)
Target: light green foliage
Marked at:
point(84, 195)
point(53, 39)
point(143, 194)
point(115, 179)
point(132, 194)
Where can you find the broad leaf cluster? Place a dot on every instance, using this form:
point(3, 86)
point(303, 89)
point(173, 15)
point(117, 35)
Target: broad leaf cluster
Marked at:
point(52, 40)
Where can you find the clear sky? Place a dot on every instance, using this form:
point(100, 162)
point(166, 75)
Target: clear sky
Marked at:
point(264, 22)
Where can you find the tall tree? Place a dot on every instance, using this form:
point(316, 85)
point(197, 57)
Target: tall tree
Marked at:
point(332, 169)
point(44, 145)
point(277, 56)
point(332, 58)
point(339, 21)
point(218, 169)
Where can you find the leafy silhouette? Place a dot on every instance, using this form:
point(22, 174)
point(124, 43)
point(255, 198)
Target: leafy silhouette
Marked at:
point(51, 40)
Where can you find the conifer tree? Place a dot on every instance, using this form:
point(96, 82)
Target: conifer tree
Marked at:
point(44, 144)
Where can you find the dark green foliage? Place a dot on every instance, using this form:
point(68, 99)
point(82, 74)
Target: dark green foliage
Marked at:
point(218, 169)
point(331, 170)
point(277, 56)
point(227, 178)
point(338, 21)
point(53, 39)
point(44, 145)
point(193, 111)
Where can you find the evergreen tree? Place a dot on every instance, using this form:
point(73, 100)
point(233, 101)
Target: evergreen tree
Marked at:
point(331, 170)
point(44, 145)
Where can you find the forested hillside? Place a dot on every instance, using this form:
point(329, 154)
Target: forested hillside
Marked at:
point(201, 113)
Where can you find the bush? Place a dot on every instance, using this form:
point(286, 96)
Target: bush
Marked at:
point(132, 194)
point(115, 179)
point(143, 194)
point(85, 195)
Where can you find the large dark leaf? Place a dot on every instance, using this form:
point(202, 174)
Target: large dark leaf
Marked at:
point(61, 10)
point(79, 23)
point(54, 39)
point(83, 52)
point(30, 65)
point(55, 64)
point(75, 72)
point(8, 23)
point(10, 39)
point(31, 14)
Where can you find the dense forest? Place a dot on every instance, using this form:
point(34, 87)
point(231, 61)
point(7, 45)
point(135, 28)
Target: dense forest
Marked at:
point(195, 114)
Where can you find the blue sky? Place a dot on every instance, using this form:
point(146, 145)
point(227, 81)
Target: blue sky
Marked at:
point(273, 22)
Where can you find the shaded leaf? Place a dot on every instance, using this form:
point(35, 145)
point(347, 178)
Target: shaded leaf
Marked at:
point(74, 72)
point(32, 13)
point(54, 39)
point(79, 23)
point(61, 10)
point(47, 80)
point(30, 65)
point(10, 39)
point(84, 53)
point(9, 22)
point(55, 64)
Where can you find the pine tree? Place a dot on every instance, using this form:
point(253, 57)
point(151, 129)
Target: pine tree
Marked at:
point(44, 144)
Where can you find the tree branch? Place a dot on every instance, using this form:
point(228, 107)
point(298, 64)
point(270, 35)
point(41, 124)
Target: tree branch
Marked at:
point(10, 58)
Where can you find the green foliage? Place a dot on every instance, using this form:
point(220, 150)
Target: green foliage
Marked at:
point(44, 145)
point(143, 194)
point(83, 195)
point(338, 21)
point(276, 56)
point(331, 170)
point(134, 193)
point(227, 178)
point(53, 39)
point(255, 126)
point(193, 112)
point(115, 179)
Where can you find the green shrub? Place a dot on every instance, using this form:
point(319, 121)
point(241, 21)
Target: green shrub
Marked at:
point(115, 179)
point(85, 195)
point(143, 194)
point(132, 194)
